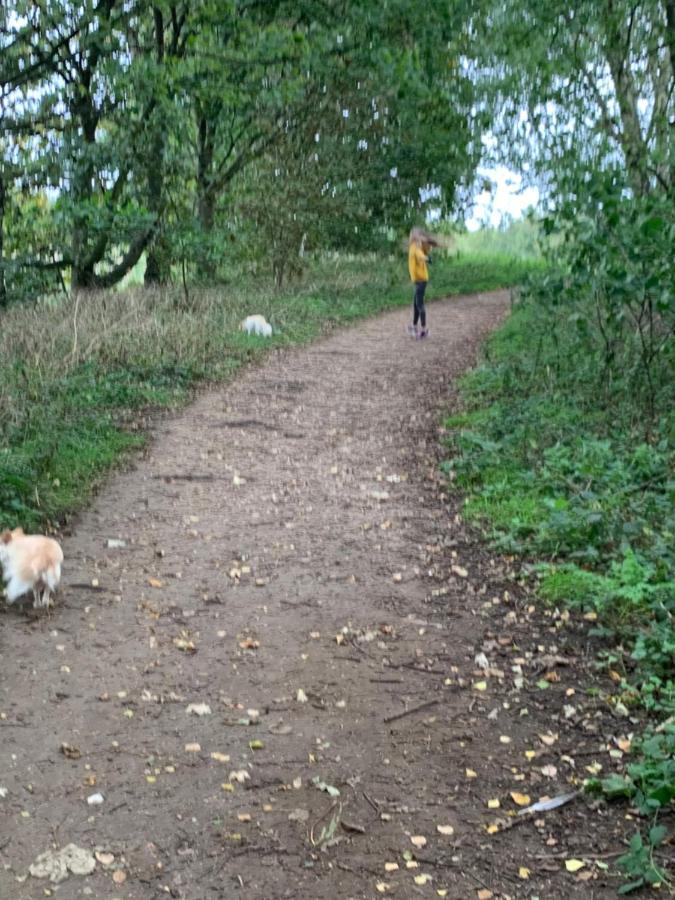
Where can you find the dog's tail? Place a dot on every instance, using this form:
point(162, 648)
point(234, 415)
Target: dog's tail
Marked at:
point(51, 576)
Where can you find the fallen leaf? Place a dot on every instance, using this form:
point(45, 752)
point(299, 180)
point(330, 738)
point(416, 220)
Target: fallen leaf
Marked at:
point(193, 747)
point(301, 696)
point(249, 644)
point(549, 771)
point(471, 774)
point(445, 829)
point(520, 799)
point(185, 645)
point(422, 878)
point(119, 876)
point(480, 685)
point(573, 865)
point(524, 873)
point(198, 709)
point(493, 804)
point(484, 894)
point(390, 866)
point(418, 840)
point(241, 775)
point(106, 859)
point(256, 745)
point(220, 757)
point(459, 570)
point(70, 751)
point(548, 739)
point(156, 583)
point(244, 817)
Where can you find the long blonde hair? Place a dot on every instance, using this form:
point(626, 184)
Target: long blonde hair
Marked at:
point(417, 236)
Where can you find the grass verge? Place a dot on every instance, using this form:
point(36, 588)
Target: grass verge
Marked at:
point(579, 484)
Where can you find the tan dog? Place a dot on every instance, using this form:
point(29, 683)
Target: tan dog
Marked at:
point(30, 562)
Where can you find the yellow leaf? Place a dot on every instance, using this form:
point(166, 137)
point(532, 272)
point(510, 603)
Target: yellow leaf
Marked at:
point(227, 786)
point(390, 867)
point(150, 779)
point(471, 774)
point(524, 873)
point(418, 840)
point(530, 754)
point(573, 865)
point(484, 894)
point(381, 887)
point(504, 739)
point(480, 685)
point(445, 829)
point(520, 799)
point(492, 829)
point(422, 879)
point(220, 757)
point(244, 817)
point(442, 892)
point(193, 748)
point(154, 582)
point(493, 804)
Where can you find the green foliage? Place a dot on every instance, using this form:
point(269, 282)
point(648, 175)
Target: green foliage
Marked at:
point(649, 783)
point(197, 132)
point(639, 865)
point(566, 454)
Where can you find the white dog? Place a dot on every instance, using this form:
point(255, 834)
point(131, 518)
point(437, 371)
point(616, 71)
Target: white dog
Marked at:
point(256, 325)
point(30, 562)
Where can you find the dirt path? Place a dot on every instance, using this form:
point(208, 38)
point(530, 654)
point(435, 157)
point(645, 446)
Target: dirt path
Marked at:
point(291, 559)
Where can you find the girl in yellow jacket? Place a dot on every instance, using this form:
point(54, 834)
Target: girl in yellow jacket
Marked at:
point(418, 246)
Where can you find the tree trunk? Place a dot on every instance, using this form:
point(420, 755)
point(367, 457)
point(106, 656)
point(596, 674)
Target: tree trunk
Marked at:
point(3, 287)
point(158, 257)
point(206, 198)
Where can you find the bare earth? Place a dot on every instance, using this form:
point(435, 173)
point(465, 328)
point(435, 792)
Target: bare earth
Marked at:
point(293, 563)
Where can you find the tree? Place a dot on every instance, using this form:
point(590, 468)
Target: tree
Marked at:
point(597, 80)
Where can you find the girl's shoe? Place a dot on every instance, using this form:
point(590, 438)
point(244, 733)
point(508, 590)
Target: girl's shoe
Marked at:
point(423, 333)
point(412, 331)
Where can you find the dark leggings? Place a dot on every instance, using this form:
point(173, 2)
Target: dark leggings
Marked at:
point(420, 312)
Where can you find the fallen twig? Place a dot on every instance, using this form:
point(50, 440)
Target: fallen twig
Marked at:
point(409, 712)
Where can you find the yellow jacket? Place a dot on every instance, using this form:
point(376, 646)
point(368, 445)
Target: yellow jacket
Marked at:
point(417, 263)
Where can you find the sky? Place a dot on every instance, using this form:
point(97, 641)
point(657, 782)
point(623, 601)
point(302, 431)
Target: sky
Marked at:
point(507, 197)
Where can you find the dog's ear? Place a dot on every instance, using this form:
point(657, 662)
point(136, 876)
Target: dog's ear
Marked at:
point(18, 532)
point(6, 536)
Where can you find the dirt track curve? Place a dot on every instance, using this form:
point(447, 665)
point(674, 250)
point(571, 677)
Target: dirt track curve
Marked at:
point(277, 603)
